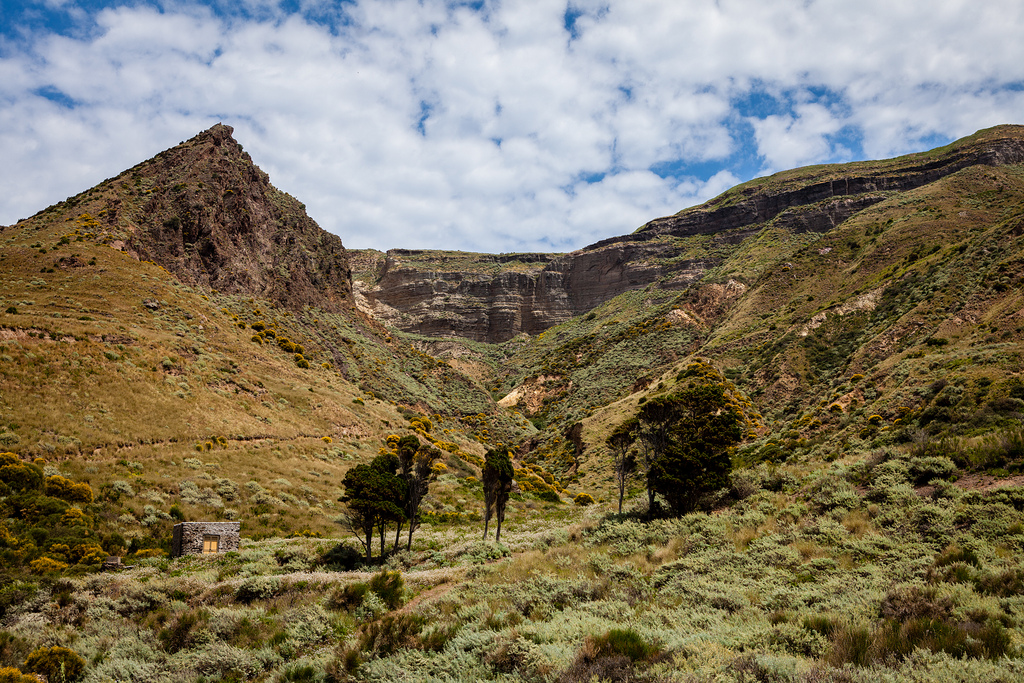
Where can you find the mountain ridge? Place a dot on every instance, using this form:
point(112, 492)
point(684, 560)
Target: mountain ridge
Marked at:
point(418, 291)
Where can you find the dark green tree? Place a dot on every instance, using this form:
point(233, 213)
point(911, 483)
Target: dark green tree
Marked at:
point(652, 427)
point(497, 480)
point(374, 495)
point(406, 449)
point(620, 443)
point(415, 463)
point(696, 456)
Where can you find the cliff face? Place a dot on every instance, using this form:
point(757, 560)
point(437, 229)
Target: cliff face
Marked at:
point(206, 213)
point(831, 187)
point(494, 298)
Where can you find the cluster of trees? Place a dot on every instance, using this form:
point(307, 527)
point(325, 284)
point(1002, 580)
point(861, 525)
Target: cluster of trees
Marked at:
point(680, 444)
point(388, 491)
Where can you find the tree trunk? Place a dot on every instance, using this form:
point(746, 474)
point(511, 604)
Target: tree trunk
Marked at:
point(622, 490)
point(369, 545)
point(398, 532)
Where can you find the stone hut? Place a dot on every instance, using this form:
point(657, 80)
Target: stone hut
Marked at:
point(204, 538)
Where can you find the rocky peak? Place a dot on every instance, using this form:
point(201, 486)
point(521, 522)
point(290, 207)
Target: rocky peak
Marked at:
point(205, 212)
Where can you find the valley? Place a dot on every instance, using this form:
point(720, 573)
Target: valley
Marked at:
point(185, 342)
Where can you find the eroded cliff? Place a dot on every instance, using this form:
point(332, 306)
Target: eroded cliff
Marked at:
point(493, 298)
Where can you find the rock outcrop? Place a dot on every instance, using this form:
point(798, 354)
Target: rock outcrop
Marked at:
point(205, 212)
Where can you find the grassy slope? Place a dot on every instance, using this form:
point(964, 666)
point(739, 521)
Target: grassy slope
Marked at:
point(94, 380)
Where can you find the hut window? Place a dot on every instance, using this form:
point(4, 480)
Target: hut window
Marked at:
point(210, 544)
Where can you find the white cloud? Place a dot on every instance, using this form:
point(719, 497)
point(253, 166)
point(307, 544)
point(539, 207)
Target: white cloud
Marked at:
point(418, 124)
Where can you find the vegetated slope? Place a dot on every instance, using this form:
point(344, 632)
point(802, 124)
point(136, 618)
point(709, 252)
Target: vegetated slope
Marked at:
point(187, 322)
point(840, 337)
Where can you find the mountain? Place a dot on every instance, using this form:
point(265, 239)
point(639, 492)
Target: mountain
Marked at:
point(188, 311)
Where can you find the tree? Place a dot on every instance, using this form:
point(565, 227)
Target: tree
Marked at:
point(696, 458)
point(620, 442)
point(683, 441)
point(497, 476)
point(653, 426)
point(415, 463)
point(374, 495)
point(406, 449)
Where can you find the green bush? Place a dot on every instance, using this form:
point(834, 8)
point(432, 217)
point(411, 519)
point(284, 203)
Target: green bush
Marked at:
point(389, 587)
point(1006, 584)
point(384, 636)
point(258, 588)
point(343, 557)
point(583, 499)
point(58, 664)
point(923, 470)
point(612, 656)
point(9, 674)
point(179, 635)
point(348, 597)
point(623, 642)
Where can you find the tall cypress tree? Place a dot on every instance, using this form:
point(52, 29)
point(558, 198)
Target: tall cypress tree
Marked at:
point(497, 480)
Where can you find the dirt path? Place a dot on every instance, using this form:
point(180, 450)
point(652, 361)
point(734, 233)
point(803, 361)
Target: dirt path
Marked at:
point(431, 593)
point(985, 482)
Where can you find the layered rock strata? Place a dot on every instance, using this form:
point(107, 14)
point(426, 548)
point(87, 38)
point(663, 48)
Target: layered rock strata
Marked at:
point(493, 298)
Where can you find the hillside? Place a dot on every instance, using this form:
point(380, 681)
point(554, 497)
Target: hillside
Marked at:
point(183, 342)
point(186, 310)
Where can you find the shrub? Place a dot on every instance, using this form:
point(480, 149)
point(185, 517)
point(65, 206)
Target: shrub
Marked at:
point(58, 664)
point(954, 553)
point(348, 597)
point(9, 674)
point(624, 642)
point(19, 475)
point(384, 636)
point(1006, 584)
point(44, 565)
point(258, 588)
point(612, 656)
point(300, 673)
point(65, 489)
point(583, 500)
point(390, 587)
point(923, 470)
point(178, 635)
point(343, 557)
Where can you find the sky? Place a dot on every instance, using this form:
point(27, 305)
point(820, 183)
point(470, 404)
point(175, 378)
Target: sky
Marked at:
point(495, 126)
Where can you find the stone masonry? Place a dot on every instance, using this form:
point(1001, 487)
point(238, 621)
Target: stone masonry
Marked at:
point(199, 538)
